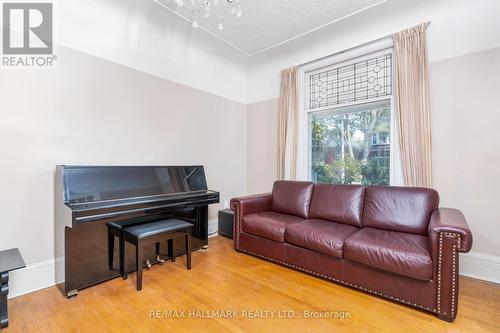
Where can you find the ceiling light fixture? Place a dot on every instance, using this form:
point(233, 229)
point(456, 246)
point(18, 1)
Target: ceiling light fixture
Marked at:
point(211, 8)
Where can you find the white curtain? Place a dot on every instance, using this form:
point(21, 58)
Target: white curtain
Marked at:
point(411, 86)
point(288, 125)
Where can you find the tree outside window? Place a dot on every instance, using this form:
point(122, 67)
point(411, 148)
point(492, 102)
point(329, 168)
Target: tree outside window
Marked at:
point(351, 145)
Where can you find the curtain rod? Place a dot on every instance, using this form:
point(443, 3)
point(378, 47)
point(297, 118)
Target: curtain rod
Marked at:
point(343, 51)
point(354, 47)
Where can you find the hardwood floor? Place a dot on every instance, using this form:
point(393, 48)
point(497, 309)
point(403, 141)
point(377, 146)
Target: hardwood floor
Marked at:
point(222, 279)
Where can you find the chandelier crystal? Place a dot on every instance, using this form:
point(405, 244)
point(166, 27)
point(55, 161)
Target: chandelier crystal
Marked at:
point(211, 8)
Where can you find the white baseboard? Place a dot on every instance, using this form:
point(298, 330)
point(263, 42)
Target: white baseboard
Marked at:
point(213, 226)
point(51, 272)
point(36, 276)
point(480, 266)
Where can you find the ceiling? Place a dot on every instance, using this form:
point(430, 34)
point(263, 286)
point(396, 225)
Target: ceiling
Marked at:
point(269, 23)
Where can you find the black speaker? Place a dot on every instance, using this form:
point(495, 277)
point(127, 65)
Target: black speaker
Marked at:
point(226, 223)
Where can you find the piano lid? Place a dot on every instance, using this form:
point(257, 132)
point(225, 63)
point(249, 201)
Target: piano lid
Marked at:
point(84, 184)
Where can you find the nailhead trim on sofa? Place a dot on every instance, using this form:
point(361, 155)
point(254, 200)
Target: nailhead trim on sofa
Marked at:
point(236, 232)
point(236, 226)
point(339, 281)
point(440, 260)
point(454, 273)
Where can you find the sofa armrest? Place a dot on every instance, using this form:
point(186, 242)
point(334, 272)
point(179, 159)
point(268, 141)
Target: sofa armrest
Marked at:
point(449, 234)
point(243, 206)
point(251, 204)
point(451, 221)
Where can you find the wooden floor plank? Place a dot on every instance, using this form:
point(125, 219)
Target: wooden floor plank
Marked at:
point(222, 279)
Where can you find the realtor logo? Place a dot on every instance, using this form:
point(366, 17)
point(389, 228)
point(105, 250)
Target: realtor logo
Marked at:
point(27, 30)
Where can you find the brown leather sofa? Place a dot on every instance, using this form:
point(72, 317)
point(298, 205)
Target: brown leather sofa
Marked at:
point(390, 241)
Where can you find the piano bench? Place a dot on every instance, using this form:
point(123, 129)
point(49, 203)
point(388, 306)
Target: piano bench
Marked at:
point(115, 230)
point(153, 233)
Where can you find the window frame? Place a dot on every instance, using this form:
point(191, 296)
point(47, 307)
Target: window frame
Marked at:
point(371, 50)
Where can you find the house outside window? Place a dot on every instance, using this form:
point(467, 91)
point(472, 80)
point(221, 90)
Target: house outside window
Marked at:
point(380, 138)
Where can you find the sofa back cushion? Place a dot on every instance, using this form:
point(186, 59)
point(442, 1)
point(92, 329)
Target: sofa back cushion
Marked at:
point(292, 197)
point(404, 209)
point(338, 203)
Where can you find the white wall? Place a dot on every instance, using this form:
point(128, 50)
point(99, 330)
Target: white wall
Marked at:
point(466, 156)
point(262, 148)
point(458, 27)
point(91, 111)
point(145, 36)
point(465, 104)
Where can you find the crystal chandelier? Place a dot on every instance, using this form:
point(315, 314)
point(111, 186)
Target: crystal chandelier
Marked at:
point(211, 9)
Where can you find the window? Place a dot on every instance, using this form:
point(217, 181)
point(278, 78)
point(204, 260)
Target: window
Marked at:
point(362, 80)
point(347, 121)
point(349, 145)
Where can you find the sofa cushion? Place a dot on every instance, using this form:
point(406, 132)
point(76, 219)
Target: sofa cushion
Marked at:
point(269, 225)
point(291, 197)
point(404, 209)
point(396, 252)
point(339, 203)
point(319, 235)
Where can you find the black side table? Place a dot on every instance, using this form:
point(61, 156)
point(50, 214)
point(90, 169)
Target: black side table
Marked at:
point(10, 260)
point(226, 223)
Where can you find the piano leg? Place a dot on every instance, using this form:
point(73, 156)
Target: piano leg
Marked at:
point(4, 312)
point(140, 256)
point(170, 246)
point(188, 249)
point(121, 252)
point(111, 249)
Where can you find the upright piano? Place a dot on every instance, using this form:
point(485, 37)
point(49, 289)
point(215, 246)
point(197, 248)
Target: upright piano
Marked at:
point(88, 197)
